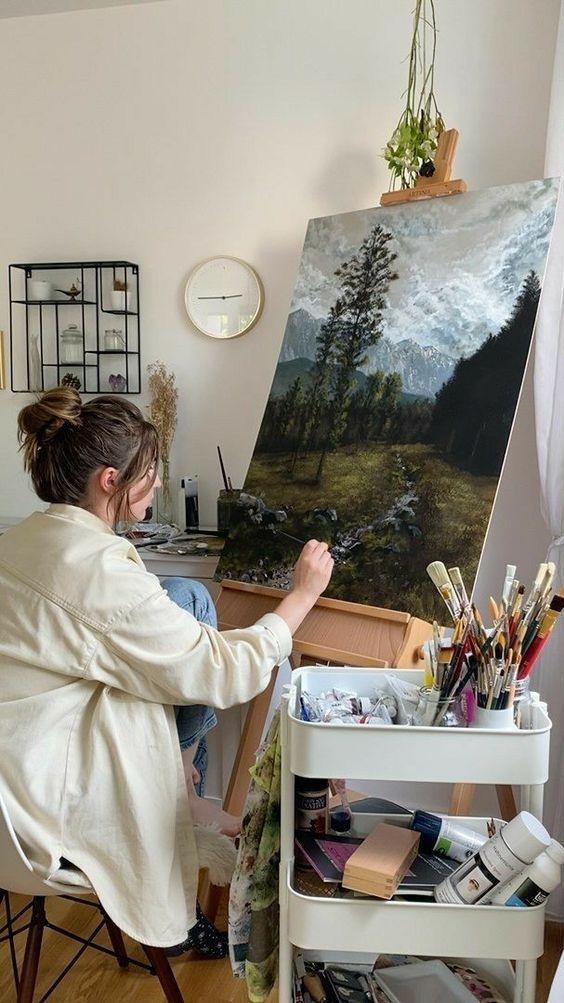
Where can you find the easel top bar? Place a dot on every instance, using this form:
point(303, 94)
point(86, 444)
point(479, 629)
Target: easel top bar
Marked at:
point(339, 605)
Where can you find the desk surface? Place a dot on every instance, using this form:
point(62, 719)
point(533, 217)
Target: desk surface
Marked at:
point(202, 567)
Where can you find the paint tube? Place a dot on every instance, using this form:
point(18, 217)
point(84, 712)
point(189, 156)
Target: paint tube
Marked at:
point(446, 837)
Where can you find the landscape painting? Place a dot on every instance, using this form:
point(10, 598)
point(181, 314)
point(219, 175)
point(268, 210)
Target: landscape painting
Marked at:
point(393, 398)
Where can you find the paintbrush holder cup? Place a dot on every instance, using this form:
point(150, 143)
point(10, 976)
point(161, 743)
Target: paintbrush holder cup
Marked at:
point(497, 720)
point(229, 510)
point(441, 712)
point(522, 704)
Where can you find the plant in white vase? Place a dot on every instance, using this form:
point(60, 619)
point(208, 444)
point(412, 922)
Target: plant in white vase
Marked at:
point(120, 295)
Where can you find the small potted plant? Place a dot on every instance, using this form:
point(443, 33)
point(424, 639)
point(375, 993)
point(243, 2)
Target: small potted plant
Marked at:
point(120, 295)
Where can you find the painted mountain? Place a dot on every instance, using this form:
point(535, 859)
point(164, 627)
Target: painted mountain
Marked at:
point(422, 368)
point(393, 399)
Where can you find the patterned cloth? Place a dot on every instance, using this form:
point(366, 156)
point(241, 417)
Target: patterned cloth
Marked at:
point(253, 899)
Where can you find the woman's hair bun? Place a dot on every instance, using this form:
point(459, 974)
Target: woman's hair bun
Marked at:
point(42, 420)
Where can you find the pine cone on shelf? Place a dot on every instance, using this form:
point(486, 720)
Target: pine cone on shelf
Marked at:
point(70, 380)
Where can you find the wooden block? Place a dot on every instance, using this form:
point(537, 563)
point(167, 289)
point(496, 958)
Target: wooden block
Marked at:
point(381, 861)
point(443, 159)
point(429, 190)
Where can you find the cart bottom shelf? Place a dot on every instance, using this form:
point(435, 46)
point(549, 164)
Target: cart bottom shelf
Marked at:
point(499, 974)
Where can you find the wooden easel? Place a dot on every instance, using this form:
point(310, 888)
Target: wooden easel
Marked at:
point(440, 183)
point(334, 632)
point(339, 632)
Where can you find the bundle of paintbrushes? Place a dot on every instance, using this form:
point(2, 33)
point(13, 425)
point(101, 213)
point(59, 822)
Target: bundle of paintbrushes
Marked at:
point(494, 660)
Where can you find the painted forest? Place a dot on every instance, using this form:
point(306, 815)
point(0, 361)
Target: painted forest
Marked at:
point(391, 480)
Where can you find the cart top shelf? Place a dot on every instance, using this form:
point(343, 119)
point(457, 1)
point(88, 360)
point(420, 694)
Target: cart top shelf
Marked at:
point(395, 752)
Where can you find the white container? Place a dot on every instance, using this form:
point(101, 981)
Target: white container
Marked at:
point(535, 884)
point(120, 299)
point(508, 853)
point(496, 719)
point(39, 289)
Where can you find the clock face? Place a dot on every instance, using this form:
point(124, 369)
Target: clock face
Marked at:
point(223, 297)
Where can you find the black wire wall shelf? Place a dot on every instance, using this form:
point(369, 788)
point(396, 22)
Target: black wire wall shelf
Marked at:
point(46, 348)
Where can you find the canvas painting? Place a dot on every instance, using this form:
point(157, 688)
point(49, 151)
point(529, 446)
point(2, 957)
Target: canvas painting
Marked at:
point(392, 403)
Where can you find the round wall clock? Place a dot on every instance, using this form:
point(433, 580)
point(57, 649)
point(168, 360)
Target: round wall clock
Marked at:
point(224, 297)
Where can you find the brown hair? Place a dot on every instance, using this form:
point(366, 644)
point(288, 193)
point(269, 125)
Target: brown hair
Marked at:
point(65, 441)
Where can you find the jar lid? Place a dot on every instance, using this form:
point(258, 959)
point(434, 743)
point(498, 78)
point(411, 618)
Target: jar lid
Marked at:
point(309, 783)
point(341, 821)
point(525, 836)
point(428, 825)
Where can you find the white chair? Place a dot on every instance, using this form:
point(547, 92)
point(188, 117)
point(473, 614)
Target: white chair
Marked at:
point(18, 876)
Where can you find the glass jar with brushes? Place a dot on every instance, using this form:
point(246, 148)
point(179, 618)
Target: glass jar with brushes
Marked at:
point(522, 703)
point(434, 709)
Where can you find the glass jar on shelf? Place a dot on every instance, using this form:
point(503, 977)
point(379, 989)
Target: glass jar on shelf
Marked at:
point(113, 340)
point(71, 346)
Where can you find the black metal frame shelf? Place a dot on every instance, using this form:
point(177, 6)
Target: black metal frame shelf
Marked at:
point(68, 302)
point(38, 330)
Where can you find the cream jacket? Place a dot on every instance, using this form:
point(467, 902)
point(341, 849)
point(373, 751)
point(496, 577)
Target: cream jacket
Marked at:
point(93, 658)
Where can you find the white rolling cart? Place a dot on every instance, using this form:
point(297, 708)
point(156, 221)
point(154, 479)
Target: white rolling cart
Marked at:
point(348, 929)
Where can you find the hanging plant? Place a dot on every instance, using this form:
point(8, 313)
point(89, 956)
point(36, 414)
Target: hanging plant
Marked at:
point(414, 141)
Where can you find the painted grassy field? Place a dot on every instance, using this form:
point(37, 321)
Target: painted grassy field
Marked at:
point(396, 509)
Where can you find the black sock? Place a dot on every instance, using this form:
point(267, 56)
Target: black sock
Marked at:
point(204, 938)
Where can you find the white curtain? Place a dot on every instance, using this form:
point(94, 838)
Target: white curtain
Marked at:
point(549, 412)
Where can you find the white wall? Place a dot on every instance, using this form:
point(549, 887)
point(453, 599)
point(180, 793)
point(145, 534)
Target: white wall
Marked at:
point(165, 133)
point(168, 132)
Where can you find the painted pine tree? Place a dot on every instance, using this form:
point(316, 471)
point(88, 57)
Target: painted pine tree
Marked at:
point(365, 279)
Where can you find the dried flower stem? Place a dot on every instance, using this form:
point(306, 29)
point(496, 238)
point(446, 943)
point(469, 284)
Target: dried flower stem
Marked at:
point(163, 414)
point(163, 406)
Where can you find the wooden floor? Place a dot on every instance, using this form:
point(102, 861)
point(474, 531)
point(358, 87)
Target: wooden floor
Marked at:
point(97, 978)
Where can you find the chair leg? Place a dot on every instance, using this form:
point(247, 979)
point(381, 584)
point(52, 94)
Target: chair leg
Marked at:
point(5, 898)
point(160, 963)
point(32, 951)
point(209, 898)
point(116, 938)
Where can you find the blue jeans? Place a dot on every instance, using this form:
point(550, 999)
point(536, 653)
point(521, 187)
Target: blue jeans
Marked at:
point(193, 722)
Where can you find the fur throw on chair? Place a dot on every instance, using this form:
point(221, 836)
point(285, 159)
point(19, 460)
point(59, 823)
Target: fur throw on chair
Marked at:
point(216, 853)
